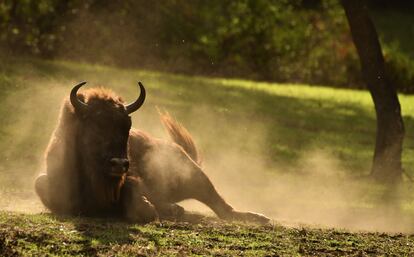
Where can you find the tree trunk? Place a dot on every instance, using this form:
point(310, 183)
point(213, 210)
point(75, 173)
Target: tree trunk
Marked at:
point(390, 127)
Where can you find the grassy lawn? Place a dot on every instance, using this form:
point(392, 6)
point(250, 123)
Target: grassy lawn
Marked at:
point(38, 235)
point(297, 153)
point(285, 121)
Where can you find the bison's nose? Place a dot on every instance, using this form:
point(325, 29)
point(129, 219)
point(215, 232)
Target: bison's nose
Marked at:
point(119, 165)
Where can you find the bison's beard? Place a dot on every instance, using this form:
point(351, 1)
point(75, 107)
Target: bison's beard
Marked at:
point(106, 190)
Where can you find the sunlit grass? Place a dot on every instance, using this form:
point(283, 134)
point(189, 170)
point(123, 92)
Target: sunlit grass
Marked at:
point(293, 119)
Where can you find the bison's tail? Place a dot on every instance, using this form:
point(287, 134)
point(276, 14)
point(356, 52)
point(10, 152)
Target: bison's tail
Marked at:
point(180, 135)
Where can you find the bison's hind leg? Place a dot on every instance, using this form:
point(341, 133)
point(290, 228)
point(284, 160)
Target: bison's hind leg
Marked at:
point(42, 190)
point(57, 195)
point(203, 190)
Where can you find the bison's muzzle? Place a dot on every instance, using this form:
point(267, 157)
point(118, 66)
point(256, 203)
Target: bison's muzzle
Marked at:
point(119, 167)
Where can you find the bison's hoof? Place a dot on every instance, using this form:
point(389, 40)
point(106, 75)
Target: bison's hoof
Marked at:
point(251, 217)
point(148, 212)
point(177, 211)
point(142, 211)
point(170, 211)
point(260, 218)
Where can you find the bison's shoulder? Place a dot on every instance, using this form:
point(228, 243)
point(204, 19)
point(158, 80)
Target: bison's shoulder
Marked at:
point(143, 148)
point(139, 142)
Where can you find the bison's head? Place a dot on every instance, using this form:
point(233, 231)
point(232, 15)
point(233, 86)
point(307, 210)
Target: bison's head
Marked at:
point(102, 142)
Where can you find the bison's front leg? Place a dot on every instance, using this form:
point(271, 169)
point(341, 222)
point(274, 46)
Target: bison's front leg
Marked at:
point(135, 205)
point(169, 210)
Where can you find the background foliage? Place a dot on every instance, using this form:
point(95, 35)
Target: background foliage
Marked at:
point(285, 41)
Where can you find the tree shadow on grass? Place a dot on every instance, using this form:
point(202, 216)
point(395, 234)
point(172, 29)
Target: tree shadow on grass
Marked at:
point(347, 129)
point(102, 234)
point(97, 234)
point(298, 125)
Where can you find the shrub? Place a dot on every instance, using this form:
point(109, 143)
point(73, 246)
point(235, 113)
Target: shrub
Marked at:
point(271, 40)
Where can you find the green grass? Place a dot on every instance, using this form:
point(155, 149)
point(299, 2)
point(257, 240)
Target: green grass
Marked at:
point(253, 136)
point(41, 235)
point(288, 120)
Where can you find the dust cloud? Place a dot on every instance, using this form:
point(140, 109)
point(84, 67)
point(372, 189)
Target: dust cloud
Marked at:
point(29, 117)
point(316, 191)
point(317, 194)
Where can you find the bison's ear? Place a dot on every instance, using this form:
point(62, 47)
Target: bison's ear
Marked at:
point(79, 112)
point(81, 98)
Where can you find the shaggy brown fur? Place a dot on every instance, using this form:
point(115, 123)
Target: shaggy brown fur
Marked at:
point(161, 173)
point(75, 181)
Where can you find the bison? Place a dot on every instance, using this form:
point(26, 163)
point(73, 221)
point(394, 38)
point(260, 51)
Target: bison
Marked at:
point(97, 165)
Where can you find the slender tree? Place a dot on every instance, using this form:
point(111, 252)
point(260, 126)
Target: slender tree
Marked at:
point(390, 127)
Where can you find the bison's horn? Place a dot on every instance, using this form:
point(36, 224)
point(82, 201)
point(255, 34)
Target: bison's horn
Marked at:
point(74, 100)
point(130, 108)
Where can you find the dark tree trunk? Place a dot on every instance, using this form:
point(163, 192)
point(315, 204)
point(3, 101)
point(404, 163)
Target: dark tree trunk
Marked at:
point(390, 127)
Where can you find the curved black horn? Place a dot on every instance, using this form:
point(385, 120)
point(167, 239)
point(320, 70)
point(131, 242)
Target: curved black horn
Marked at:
point(74, 100)
point(130, 108)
